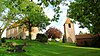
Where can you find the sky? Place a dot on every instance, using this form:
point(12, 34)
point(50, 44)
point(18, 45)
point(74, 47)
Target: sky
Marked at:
point(63, 17)
point(59, 25)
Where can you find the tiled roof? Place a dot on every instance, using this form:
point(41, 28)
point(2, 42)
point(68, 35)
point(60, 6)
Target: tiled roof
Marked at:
point(84, 36)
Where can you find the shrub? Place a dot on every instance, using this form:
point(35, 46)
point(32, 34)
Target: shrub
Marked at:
point(16, 48)
point(10, 37)
point(96, 41)
point(53, 33)
point(0, 43)
point(3, 40)
point(42, 38)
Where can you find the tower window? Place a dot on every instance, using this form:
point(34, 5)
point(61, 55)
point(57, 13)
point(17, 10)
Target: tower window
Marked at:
point(69, 25)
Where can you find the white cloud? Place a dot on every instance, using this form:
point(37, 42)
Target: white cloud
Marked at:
point(49, 12)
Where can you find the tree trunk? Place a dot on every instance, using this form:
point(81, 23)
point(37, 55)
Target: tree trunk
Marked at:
point(29, 30)
point(0, 35)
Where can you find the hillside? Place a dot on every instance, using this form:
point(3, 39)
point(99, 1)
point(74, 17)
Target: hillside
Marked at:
point(35, 48)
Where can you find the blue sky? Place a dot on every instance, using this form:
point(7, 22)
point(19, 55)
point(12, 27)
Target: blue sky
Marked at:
point(59, 25)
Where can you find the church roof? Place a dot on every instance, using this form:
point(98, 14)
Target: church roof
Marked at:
point(67, 21)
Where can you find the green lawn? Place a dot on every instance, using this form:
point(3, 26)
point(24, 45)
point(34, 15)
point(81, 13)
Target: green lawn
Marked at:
point(51, 49)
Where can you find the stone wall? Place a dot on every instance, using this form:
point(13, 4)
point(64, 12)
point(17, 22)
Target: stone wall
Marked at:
point(21, 33)
point(69, 31)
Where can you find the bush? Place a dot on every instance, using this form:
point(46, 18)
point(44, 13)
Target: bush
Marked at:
point(3, 40)
point(53, 33)
point(16, 48)
point(42, 38)
point(10, 37)
point(96, 41)
point(0, 43)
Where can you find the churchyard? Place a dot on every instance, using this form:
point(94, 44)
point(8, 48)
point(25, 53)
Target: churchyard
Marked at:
point(23, 21)
point(35, 48)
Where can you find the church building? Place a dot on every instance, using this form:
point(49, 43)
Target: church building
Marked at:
point(21, 32)
point(69, 31)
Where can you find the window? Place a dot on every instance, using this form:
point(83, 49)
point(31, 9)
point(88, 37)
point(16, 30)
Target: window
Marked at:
point(69, 25)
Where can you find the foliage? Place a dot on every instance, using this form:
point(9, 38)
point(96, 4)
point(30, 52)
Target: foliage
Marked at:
point(53, 33)
point(55, 6)
point(86, 12)
point(42, 38)
point(8, 14)
point(0, 44)
point(18, 9)
point(96, 41)
point(29, 13)
point(34, 16)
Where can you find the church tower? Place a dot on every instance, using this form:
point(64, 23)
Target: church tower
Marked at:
point(69, 31)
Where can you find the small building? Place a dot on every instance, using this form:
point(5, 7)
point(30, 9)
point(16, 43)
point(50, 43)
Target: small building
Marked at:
point(84, 39)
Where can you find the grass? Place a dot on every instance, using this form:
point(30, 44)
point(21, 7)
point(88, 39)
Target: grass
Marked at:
point(35, 48)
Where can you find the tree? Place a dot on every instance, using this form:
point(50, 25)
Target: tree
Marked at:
point(8, 13)
point(33, 16)
point(55, 6)
point(96, 41)
point(22, 10)
point(53, 33)
point(86, 12)
point(15, 12)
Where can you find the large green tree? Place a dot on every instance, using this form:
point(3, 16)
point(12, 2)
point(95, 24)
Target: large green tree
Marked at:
point(86, 12)
point(33, 16)
point(17, 10)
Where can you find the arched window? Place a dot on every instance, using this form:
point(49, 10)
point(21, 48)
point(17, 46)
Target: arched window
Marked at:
point(69, 25)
